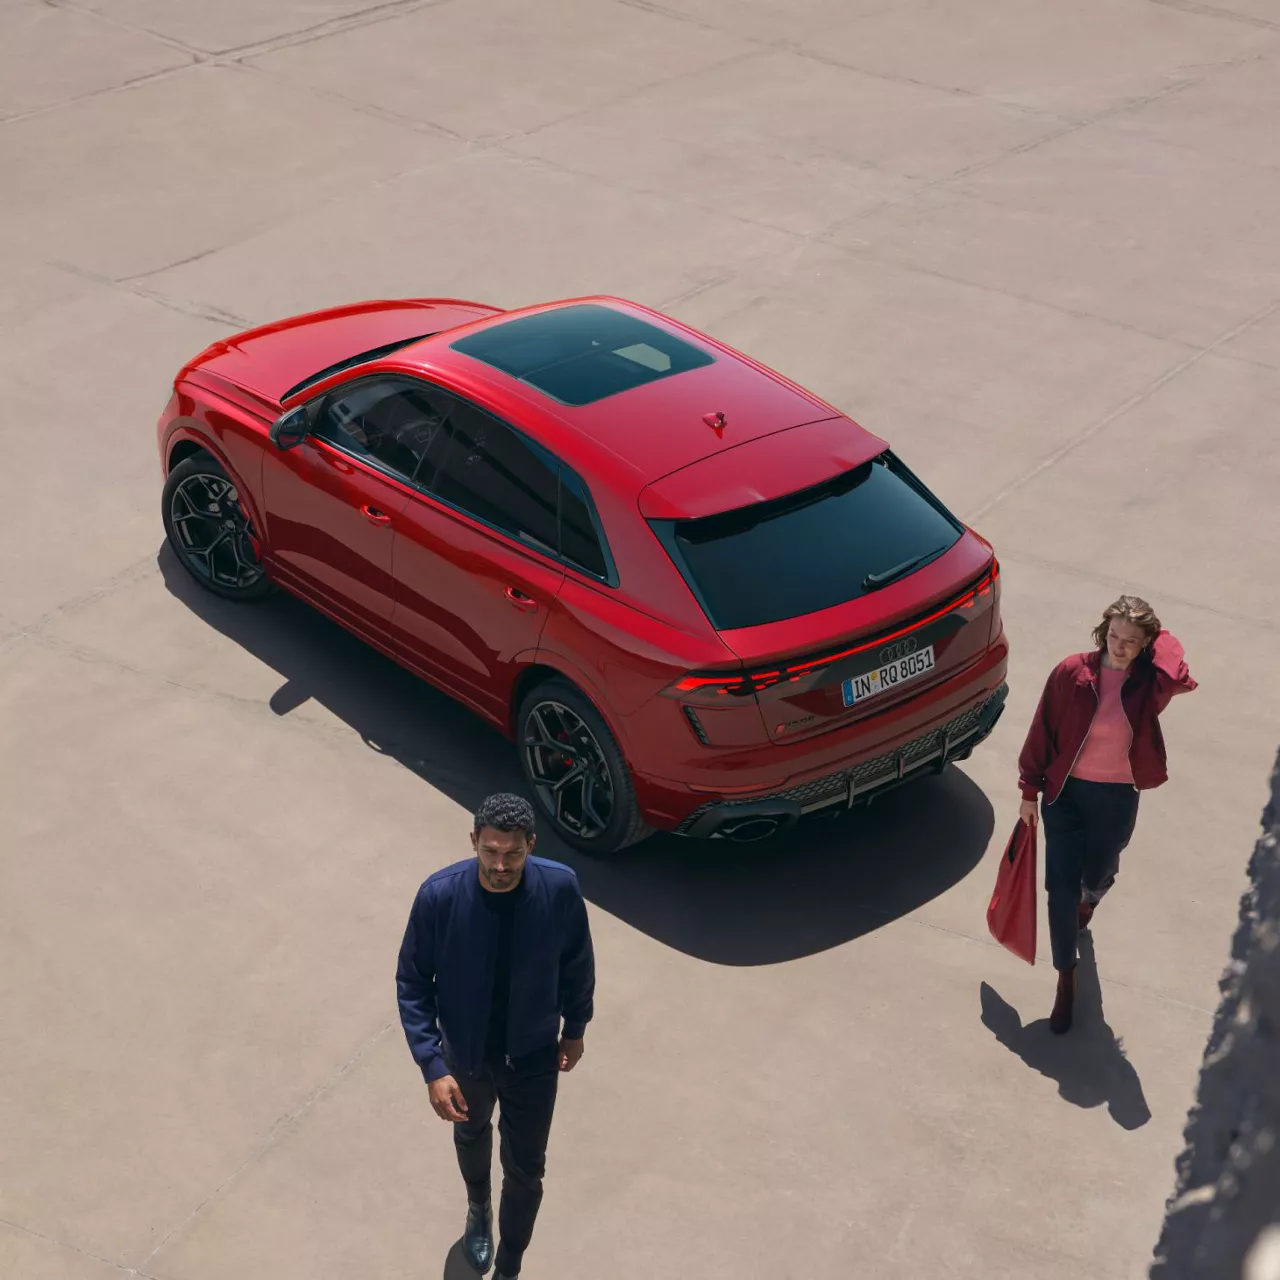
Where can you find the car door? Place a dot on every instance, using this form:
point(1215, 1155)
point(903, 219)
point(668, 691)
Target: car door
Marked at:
point(333, 502)
point(476, 565)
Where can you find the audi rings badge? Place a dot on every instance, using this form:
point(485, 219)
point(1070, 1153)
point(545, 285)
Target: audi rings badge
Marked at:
point(899, 649)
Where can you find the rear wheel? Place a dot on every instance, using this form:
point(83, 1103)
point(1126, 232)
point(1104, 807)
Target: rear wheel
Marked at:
point(209, 530)
point(575, 770)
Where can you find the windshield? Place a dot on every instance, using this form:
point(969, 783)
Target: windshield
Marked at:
point(811, 550)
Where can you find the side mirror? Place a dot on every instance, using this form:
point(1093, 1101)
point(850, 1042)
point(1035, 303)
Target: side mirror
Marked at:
point(290, 429)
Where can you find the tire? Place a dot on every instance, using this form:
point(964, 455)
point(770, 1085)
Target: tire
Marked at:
point(209, 531)
point(553, 717)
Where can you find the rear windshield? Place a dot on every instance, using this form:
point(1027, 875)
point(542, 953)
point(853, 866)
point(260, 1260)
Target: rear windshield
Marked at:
point(813, 549)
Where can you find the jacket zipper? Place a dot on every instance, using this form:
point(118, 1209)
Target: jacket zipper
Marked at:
point(515, 917)
point(1097, 704)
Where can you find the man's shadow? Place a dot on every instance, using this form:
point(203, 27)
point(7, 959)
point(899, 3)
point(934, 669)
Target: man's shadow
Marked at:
point(456, 1266)
point(1089, 1063)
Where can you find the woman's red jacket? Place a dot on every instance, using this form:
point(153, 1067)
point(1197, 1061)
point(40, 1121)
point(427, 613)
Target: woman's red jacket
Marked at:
point(1069, 702)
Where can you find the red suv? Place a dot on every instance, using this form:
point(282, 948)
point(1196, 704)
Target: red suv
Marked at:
point(698, 598)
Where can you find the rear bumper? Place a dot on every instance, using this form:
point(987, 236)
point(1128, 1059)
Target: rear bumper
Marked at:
point(930, 752)
point(695, 779)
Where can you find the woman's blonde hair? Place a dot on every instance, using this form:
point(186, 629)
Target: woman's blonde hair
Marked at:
point(1128, 609)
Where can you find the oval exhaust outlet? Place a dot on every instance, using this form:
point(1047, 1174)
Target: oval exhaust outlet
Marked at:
point(749, 829)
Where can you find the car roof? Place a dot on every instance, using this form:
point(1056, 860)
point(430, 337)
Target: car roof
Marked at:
point(645, 432)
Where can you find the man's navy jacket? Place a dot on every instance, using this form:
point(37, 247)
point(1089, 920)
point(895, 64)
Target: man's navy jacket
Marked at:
point(445, 976)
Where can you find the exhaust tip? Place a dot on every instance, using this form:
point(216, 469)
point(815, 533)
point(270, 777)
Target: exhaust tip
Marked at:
point(750, 829)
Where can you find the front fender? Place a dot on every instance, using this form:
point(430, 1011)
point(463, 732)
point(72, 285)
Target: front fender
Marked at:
point(248, 492)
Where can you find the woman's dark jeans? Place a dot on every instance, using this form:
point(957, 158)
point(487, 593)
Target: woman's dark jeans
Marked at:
point(1085, 831)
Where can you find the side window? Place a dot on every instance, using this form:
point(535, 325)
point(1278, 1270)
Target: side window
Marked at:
point(496, 475)
point(578, 541)
point(395, 422)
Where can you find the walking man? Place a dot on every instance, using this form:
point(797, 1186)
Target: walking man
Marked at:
point(497, 951)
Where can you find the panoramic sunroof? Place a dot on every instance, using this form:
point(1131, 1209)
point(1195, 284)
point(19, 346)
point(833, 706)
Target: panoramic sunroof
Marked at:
point(582, 353)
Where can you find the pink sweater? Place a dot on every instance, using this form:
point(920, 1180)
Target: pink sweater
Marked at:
point(1105, 754)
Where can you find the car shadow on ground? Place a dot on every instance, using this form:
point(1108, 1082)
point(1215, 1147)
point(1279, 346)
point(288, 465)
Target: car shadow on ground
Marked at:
point(1089, 1063)
point(823, 884)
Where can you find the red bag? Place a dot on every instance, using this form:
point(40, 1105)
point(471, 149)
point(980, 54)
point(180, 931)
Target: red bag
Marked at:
point(1011, 915)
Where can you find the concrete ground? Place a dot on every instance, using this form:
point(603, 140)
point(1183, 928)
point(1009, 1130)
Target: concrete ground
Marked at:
point(1033, 245)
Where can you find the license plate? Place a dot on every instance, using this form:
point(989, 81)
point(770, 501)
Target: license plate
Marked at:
point(890, 676)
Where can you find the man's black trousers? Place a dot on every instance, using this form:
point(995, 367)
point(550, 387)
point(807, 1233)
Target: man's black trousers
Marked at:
point(524, 1090)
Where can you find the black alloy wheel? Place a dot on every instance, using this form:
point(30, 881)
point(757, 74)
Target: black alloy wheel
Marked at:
point(576, 772)
point(210, 531)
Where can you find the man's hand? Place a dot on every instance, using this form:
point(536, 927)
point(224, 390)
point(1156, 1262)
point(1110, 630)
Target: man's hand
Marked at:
point(1029, 813)
point(446, 1099)
point(569, 1053)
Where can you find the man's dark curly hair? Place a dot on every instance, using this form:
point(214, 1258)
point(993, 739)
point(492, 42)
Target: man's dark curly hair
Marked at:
point(506, 812)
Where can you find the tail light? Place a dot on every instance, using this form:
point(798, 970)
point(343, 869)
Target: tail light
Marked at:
point(977, 595)
point(708, 684)
point(720, 686)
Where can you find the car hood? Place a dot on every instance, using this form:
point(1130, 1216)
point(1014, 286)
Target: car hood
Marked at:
point(271, 360)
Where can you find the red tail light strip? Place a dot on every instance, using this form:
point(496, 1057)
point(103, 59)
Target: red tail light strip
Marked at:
point(757, 681)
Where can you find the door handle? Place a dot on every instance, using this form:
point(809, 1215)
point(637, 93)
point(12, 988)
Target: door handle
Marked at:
point(372, 513)
point(520, 600)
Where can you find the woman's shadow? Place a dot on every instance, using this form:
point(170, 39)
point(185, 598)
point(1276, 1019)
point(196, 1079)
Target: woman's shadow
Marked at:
point(1089, 1063)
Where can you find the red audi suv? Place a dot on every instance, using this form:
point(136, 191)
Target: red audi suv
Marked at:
point(698, 598)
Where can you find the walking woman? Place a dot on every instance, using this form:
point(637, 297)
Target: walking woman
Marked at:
point(1093, 746)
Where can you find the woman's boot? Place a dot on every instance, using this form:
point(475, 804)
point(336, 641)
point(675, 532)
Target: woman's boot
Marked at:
point(1060, 1018)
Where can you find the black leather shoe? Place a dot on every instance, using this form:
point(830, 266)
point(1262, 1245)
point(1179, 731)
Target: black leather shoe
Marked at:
point(502, 1275)
point(477, 1236)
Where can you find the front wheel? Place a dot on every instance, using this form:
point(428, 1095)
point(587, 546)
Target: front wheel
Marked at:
point(575, 770)
point(210, 531)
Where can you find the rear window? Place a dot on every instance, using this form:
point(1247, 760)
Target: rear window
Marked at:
point(579, 541)
point(582, 353)
point(811, 550)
